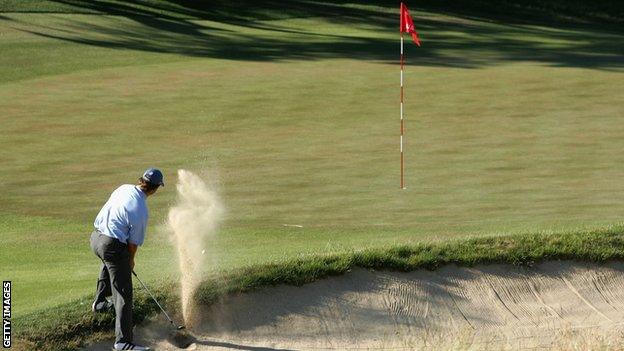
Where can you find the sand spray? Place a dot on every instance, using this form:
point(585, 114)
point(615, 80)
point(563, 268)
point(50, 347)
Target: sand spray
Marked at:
point(191, 222)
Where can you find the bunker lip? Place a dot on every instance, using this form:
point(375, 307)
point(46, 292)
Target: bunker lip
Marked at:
point(502, 306)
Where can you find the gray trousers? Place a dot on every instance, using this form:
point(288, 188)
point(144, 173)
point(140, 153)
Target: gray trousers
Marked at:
point(116, 280)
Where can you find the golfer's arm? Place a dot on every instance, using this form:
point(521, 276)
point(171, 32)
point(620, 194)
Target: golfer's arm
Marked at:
point(132, 249)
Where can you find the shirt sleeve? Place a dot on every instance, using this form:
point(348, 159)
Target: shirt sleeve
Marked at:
point(136, 232)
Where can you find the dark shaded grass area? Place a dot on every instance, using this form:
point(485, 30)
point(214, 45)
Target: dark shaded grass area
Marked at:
point(511, 11)
point(168, 27)
point(69, 326)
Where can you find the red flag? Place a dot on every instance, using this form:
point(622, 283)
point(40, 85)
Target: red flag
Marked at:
point(407, 24)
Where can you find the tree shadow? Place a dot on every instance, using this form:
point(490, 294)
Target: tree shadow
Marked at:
point(465, 40)
point(604, 13)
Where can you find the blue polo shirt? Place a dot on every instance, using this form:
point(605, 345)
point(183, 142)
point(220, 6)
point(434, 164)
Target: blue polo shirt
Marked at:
point(124, 215)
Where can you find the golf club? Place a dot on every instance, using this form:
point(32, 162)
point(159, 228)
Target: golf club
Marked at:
point(178, 327)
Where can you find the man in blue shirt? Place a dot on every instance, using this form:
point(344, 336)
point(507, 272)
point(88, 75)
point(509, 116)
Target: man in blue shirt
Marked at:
point(119, 231)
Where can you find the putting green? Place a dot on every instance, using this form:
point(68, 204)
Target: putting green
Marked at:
point(510, 128)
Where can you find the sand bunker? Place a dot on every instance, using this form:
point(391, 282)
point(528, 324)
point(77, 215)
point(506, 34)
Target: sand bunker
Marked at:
point(559, 305)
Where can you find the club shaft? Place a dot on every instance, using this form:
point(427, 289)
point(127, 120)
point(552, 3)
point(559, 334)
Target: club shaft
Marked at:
point(153, 298)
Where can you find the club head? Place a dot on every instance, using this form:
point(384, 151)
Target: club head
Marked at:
point(181, 338)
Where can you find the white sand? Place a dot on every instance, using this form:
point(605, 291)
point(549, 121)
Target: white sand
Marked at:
point(558, 305)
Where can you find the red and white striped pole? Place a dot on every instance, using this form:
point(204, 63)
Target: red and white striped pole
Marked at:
point(401, 138)
point(407, 25)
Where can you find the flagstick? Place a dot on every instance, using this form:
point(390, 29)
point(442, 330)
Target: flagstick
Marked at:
point(402, 160)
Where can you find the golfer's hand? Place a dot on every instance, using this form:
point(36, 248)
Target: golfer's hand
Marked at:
point(132, 249)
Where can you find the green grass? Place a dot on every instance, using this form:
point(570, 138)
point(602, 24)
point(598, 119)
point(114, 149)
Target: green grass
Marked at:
point(552, 11)
point(70, 325)
point(513, 126)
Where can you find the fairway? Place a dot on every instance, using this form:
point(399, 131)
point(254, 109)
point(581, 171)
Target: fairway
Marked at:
point(511, 128)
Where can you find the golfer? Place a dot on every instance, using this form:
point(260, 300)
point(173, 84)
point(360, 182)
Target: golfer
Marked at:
point(119, 231)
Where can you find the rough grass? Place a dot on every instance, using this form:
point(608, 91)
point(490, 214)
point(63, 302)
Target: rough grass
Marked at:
point(71, 325)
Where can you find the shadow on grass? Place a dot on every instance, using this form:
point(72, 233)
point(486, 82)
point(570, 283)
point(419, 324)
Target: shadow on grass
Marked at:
point(232, 346)
point(471, 38)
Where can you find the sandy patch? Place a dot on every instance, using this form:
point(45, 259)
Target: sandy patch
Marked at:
point(554, 305)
